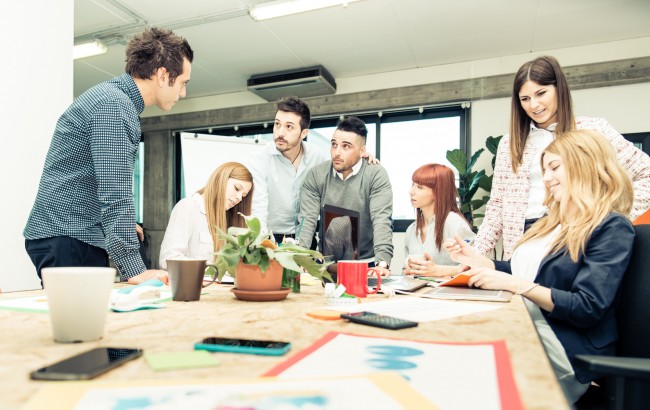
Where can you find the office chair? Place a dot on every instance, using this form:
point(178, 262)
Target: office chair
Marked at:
point(643, 219)
point(628, 373)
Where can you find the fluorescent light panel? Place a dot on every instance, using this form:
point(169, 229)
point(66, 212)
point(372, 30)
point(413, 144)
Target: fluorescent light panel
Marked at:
point(90, 49)
point(281, 8)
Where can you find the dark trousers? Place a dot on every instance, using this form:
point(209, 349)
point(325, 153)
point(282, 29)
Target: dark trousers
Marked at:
point(63, 251)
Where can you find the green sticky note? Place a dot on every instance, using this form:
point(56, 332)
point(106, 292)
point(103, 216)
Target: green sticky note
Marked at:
point(180, 360)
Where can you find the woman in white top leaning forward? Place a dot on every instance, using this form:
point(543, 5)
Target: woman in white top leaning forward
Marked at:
point(192, 228)
point(437, 217)
point(541, 107)
point(569, 265)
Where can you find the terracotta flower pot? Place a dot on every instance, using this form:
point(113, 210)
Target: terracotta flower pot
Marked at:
point(251, 277)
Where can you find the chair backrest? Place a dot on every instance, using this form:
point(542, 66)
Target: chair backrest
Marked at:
point(643, 219)
point(634, 302)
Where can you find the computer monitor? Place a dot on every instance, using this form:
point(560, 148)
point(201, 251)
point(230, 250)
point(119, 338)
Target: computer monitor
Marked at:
point(339, 233)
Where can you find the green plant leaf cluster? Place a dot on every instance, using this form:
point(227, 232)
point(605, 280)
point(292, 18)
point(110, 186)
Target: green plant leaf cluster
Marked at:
point(470, 180)
point(253, 247)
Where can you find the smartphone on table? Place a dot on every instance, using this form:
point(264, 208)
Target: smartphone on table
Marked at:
point(87, 365)
point(374, 319)
point(263, 347)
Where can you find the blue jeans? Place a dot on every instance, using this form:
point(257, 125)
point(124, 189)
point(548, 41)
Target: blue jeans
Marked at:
point(63, 251)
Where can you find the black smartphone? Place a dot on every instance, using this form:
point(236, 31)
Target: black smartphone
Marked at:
point(86, 365)
point(263, 347)
point(373, 319)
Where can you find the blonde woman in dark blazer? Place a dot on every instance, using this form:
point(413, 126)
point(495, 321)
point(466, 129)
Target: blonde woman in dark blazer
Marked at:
point(568, 266)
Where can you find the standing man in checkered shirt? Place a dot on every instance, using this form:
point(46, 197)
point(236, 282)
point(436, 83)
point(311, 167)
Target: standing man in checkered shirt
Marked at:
point(84, 209)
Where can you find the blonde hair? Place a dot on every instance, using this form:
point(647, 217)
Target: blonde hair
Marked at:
point(214, 194)
point(596, 186)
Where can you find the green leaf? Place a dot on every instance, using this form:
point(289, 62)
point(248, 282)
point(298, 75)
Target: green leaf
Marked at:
point(211, 270)
point(313, 267)
point(458, 159)
point(255, 227)
point(486, 183)
point(227, 237)
point(475, 157)
point(264, 263)
point(473, 184)
point(287, 261)
point(492, 144)
point(254, 257)
point(477, 203)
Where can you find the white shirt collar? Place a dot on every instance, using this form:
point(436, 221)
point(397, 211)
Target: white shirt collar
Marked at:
point(200, 201)
point(355, 170)
point(550, 128)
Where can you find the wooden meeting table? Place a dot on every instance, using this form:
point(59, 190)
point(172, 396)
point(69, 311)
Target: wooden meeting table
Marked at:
point(26, 341)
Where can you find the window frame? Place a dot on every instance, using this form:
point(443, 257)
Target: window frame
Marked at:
point(377, 118)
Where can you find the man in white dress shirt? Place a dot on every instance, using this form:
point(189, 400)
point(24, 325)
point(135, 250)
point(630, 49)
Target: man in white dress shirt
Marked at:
point(279, 170)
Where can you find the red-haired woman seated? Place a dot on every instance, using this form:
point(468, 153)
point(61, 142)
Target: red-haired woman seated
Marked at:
point(437, 217)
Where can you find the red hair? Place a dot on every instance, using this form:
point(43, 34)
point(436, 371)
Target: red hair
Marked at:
point(442, 181)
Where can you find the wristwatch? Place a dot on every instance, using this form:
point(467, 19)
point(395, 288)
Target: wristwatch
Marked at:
point(382, 264)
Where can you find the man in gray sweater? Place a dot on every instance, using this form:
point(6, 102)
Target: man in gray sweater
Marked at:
point(348, 182)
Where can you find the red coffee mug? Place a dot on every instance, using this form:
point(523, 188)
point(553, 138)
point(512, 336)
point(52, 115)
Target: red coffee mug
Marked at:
point(354, 276)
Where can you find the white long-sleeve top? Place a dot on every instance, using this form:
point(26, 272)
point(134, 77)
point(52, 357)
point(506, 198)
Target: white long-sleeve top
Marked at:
point(187, 233)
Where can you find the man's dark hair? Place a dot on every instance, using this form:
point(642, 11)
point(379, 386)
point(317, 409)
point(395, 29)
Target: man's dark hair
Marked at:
point(155, 48)
point(355, 125)
point(297, 106)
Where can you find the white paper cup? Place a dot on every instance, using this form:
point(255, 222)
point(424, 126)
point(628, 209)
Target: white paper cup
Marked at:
point(78, 299)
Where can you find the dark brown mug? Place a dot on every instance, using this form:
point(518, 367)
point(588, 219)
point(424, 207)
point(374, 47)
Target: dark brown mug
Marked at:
point(186, 278)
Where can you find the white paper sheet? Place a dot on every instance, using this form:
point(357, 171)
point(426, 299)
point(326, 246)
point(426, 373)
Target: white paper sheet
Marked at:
point(453, 376)
point(38, 304)
point(418, 309)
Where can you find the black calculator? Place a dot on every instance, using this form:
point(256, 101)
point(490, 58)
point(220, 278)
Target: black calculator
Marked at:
point(373, 319)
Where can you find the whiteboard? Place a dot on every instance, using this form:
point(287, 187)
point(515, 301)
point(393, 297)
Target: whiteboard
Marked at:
point(203, 153)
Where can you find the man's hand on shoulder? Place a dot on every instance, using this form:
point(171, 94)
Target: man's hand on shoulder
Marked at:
point(372, 160)
point(150, 274)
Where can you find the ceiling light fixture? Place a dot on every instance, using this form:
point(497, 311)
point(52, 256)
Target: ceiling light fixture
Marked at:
point(89, 49)
point(281, 8)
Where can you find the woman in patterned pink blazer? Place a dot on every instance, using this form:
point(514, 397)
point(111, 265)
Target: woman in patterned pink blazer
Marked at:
point(541, 107)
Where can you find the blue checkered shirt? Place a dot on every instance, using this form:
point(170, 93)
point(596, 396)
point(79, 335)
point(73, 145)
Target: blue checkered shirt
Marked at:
point(85, 191)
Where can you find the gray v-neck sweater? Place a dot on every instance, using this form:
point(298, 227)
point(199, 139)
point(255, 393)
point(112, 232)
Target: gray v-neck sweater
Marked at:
point(369, 192)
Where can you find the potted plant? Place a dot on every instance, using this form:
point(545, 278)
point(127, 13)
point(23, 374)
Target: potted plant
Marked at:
point(249, 250)
point(469, 181)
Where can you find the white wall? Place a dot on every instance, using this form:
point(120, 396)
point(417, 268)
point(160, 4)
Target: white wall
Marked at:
point(627, 108)
point(37, 87)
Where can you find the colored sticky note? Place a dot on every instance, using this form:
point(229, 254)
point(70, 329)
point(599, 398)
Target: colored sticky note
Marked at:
point(180, 360)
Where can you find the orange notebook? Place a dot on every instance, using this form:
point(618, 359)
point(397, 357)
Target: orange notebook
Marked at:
point(459, 280)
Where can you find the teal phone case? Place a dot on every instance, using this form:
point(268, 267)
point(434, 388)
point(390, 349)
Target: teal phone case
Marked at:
point(243, 349)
